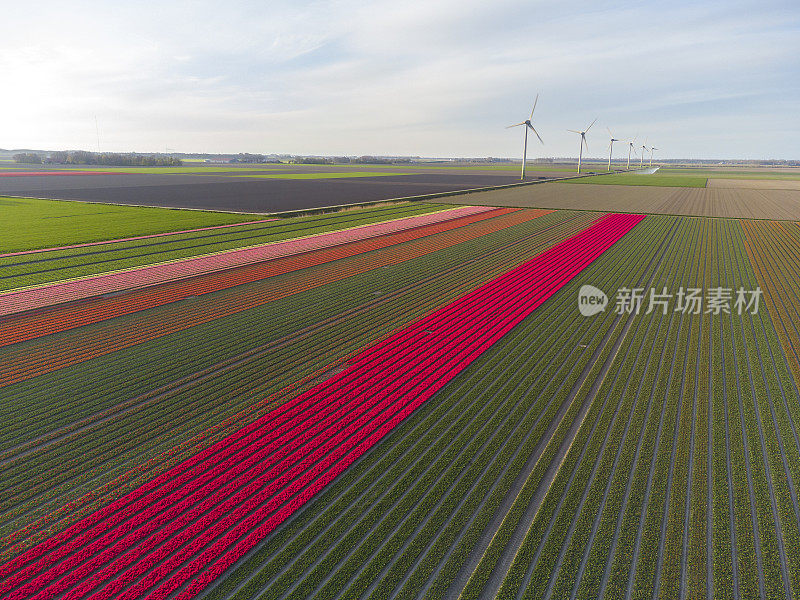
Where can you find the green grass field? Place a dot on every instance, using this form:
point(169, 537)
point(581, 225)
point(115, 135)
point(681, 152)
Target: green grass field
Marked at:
point(48, 223)
point(657, 179)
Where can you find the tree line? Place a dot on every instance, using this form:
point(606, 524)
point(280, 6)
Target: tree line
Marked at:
point(82, 157)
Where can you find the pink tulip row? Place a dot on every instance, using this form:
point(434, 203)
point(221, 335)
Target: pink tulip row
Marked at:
point(131, 239)
point(286, 457)
point(67, 291)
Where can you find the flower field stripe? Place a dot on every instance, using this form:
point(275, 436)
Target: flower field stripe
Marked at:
point(60, 318)
point(23, 365)
point(131, 239)
point(419, 364)
point(77, 289)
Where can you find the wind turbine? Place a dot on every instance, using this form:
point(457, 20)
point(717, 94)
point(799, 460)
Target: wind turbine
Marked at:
point(527, 124)
point(611, 147)
point(644, 149)
point(583, 142)
point(631, 148)
point(651, 154)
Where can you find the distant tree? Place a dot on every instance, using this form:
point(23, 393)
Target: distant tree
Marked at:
point(28, 158)
point(81, 157)
point(372, 160)
point(59, 157)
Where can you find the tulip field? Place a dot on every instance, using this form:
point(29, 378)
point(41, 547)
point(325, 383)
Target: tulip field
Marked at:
point(404, 401)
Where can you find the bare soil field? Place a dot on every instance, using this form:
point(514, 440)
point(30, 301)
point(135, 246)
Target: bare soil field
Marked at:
point(754, 184)
point(253, 195)
point(775, 204)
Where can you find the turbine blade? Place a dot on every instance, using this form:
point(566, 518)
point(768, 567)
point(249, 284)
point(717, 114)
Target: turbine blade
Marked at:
point(535, 102)
point(573, 131)
point(515, 125)
point(609, 132)
point(590, 126)
point(537, 133)
point(584, 142)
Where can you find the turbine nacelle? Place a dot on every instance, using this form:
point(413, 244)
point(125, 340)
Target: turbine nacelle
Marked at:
point(583, 142)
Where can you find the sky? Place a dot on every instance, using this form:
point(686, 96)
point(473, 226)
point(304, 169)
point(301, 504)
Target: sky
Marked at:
point(696, 79)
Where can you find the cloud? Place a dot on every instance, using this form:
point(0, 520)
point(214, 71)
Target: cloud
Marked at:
point(422, 78)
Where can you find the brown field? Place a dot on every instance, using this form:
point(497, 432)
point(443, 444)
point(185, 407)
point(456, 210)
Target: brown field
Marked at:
point(754, 184)
point(772, 204)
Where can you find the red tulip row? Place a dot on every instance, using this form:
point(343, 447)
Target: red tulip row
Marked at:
point(284, 458)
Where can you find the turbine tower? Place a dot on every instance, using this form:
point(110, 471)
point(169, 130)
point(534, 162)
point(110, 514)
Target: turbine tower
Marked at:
point(611, 147)
point(631, 148)
point(651, 154)
point(527, 124)
point(583, 142)
point(644, 149)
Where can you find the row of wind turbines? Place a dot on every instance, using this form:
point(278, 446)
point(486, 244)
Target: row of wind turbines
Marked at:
point(631, 143)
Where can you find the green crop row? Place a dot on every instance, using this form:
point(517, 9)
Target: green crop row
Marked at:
point(568, 549)
point(769, 382)
point(564, 555)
